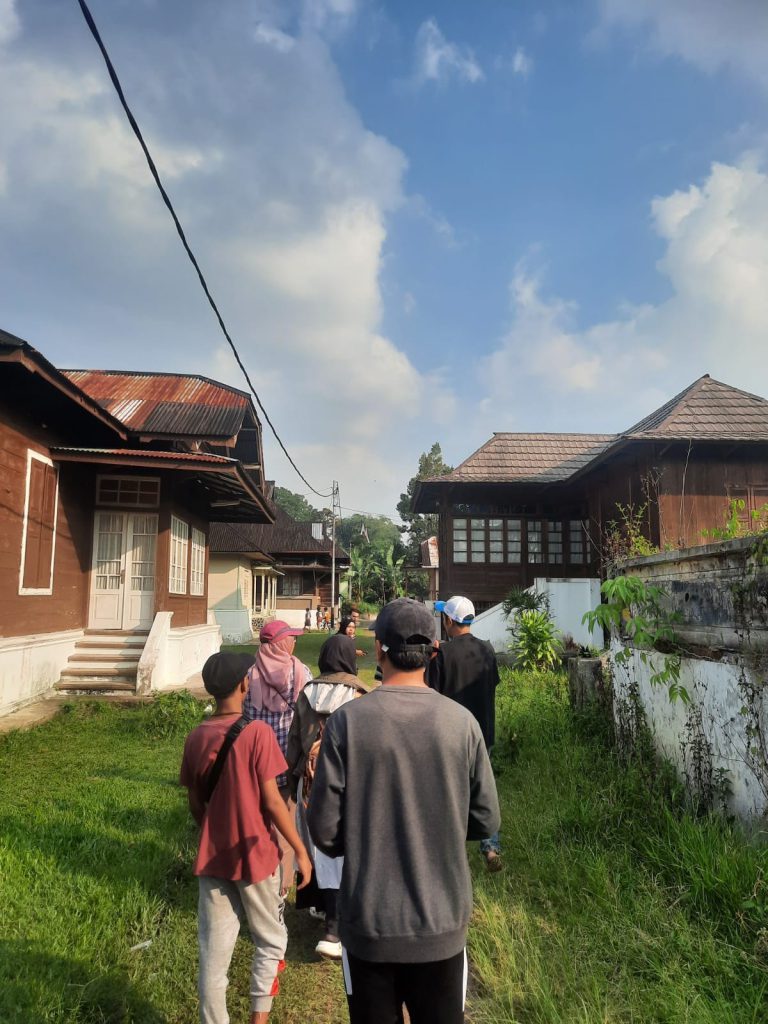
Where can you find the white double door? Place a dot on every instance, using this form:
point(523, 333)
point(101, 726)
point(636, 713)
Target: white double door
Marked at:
point(123, 570)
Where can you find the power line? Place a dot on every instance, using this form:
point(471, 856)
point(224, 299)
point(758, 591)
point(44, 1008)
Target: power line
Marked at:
point(360, 512)
point(166, 199)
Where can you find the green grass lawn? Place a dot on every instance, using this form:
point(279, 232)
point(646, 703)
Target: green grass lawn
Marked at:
point(612, 908)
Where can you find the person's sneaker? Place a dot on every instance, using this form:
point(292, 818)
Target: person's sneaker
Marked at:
point(329, 947)
point(493, 861)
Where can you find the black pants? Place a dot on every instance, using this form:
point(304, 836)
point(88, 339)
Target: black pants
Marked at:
point(433, 993)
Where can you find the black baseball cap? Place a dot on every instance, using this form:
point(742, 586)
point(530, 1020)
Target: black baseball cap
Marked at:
point(405, 625)
point(223, 671)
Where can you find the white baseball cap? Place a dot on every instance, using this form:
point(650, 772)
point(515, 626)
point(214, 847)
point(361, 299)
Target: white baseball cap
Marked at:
point(460, 609)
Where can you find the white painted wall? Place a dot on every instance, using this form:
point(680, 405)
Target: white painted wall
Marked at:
point(31, 665)
point(569, 600)
point(716, 691)
point(173, 657)
point(230, 595)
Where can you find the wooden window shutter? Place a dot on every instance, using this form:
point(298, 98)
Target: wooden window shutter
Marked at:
point(41, 516)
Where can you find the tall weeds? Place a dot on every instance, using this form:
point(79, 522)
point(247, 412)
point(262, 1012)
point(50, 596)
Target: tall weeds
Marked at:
point(617, 904)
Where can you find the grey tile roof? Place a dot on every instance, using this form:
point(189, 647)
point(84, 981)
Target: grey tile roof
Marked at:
point(521, 458)
point(285, 537)
point(707, 410)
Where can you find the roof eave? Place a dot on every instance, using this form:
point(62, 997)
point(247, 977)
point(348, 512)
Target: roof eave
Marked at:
point(36, 363)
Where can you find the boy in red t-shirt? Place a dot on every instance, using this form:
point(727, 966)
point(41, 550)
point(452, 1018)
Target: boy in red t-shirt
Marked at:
point(238, 860)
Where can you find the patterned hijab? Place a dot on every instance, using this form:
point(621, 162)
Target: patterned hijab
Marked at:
point(276, 676)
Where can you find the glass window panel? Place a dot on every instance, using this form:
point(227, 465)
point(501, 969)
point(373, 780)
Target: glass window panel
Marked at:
point(535, 547)
point(577, 542)
point(177, 582)
point(197, 563)
point(555, 543)
point(126, 490)
point(478, 524)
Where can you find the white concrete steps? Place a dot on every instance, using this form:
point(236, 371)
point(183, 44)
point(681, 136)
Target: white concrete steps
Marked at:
point(104, 662)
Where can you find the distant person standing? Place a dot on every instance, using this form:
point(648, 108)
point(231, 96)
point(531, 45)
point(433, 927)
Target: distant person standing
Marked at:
point(319, 620)
point(465, 669)
point(308, 620)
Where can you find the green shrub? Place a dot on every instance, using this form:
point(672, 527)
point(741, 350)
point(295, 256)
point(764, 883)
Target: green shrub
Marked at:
point(519, 599)
point(536, 642)
point(171, 714)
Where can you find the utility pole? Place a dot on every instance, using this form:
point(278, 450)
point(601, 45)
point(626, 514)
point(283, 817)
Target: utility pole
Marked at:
point(335, 506)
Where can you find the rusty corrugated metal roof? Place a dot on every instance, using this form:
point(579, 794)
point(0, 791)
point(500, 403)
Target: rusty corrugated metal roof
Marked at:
point(165, 403)
point(143, 453)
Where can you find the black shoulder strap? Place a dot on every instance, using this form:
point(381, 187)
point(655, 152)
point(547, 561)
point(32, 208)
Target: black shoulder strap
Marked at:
point(213, 776)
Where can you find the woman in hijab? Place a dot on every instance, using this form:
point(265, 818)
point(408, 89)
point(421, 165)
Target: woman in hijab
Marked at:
point(336, 684)
point(276, 679)
point(348, 627)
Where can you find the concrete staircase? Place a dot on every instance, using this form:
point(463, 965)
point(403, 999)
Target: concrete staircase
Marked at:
point(104, 662)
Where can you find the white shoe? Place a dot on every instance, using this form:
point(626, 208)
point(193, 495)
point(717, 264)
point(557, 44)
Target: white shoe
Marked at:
point(329, 950)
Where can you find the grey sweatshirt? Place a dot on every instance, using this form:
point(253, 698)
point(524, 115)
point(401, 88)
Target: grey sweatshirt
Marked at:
point(403, 779)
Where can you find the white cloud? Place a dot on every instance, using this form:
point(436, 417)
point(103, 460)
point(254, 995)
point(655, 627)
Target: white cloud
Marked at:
point(285, 196)
point(710, 34)
point(9, 21)
point(437, 60)
point(522, 63)
point(274, 37)
point(607, 374)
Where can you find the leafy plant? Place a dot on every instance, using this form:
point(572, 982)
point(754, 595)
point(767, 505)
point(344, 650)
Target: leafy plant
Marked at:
point(520, 599)
point(635, 611)
point(625, 537)
point(735, 526)
point(172, 714)
point(536, 642)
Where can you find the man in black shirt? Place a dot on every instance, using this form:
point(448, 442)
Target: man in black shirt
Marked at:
point(466, 670)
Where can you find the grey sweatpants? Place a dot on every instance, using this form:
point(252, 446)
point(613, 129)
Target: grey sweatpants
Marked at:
point(221, 906)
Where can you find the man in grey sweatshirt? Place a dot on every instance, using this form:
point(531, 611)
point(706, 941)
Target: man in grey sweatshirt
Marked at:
point(403, 780)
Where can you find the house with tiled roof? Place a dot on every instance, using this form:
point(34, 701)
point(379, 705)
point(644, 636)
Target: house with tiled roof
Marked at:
point(109, 483)
point(528, 505)
point(279, 570)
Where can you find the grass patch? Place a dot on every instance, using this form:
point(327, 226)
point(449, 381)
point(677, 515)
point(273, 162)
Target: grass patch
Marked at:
point(96, 845)
point(616, 905)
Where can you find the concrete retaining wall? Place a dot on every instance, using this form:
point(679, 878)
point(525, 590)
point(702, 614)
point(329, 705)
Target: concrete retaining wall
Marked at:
point(719, 741)
point(31, 665)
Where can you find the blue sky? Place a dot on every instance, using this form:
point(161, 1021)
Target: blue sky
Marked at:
point(422, 221)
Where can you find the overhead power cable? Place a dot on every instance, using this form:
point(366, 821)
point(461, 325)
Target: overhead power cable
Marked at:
point(166, 199)
point(360, 512)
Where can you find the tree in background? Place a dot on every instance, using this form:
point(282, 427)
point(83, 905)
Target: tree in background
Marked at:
point(297, 506)
point(419, 527)
point(377, 532)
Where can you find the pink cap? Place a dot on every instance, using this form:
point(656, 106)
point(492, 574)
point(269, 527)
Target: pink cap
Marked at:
point(277, 630)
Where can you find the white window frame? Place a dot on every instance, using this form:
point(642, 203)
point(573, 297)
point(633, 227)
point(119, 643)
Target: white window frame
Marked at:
point(197, 563)
point(178, 579)
point(126, 504)
point(39, 591)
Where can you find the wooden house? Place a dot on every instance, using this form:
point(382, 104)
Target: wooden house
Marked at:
point(546, 505)
point(108, 483)
point(247, 590)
